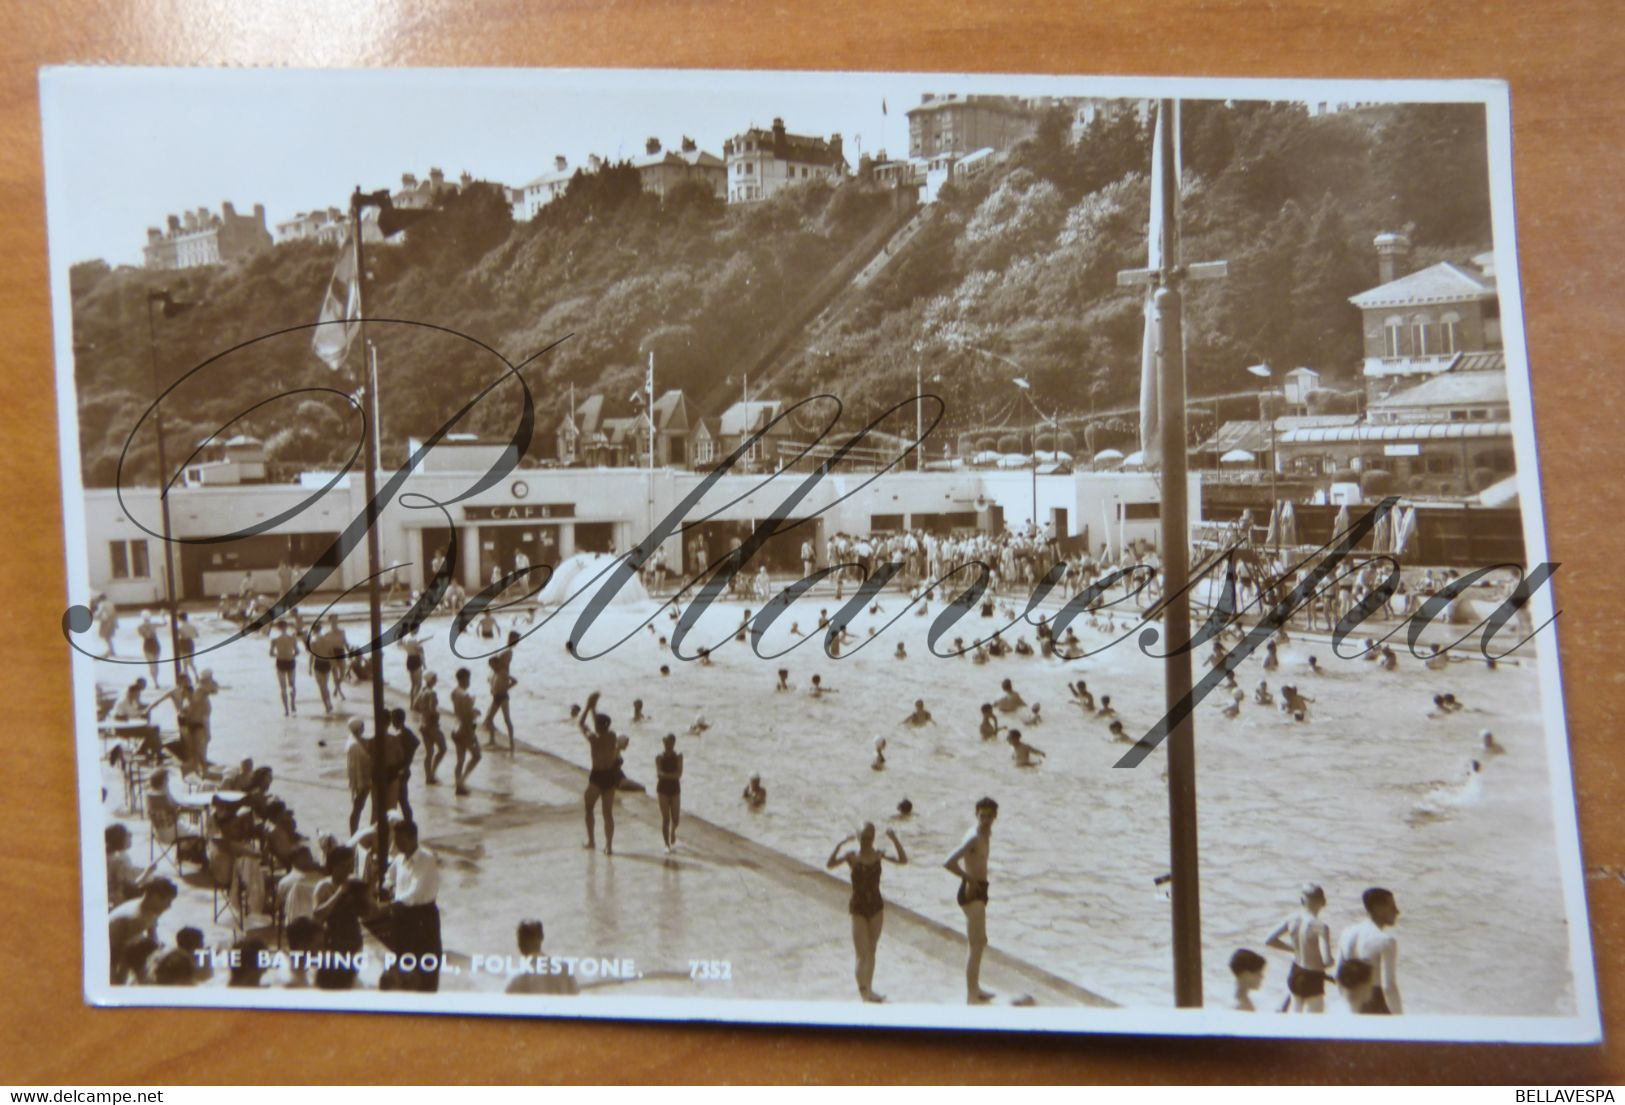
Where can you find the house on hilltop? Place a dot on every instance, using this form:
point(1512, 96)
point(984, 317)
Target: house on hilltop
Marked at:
point(762, 162)
point(200, 237)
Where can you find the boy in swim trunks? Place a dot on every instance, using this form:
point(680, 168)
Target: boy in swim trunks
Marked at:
point(1369, 942)
point(1309, 939)
point(285, 650)
point(1248, 967)
point(969, 862)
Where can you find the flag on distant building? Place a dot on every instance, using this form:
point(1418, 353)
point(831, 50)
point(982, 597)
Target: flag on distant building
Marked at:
point(882, 105)
point(341, 311)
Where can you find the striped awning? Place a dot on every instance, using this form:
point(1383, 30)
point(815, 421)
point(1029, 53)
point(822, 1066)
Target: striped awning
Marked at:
point(1397, 431)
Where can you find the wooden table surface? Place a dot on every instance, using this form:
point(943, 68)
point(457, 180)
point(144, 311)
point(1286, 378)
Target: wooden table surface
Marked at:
point(1563, 59)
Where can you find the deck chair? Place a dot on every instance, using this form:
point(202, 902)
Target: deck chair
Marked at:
point(166, 838)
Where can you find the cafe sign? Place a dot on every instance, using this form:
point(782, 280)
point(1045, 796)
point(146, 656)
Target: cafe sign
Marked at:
point(518, 512)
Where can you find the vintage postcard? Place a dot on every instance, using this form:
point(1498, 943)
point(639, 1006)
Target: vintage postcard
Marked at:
point(994, 552)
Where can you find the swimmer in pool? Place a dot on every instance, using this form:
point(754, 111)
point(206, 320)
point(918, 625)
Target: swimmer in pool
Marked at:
point(1009, 702)
point(1022, 752)
point(920, 717)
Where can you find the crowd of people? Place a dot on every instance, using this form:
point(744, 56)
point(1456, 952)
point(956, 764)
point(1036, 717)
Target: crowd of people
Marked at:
point(322, 895)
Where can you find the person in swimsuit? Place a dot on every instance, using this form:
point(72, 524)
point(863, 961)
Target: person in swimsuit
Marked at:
point(413, 647)
point(321, 665)
point(147, 630)
point(336, 647)
point(969, 863)
point(1248, 968)
point(285, 650)
point(990, 727)
point(1022, 752)
point(920, 716)
point(1370, 943)
point(1309, 939)
point(186, 643)
point(867, 907)
point(669, 789)
point(500, 681)
point(426, 704)
point(605, 775)
point(463, 738)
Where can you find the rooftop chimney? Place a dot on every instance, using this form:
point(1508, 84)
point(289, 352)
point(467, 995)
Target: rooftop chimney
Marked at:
point(465, 180)
point(436, 179)
point(174, 224)
point(1393, 256)
point(688, 144)
point(227, 210)
point(409, 181)
point(154, 234)
point(651, 145)
point(560, 164)
point(189, 220)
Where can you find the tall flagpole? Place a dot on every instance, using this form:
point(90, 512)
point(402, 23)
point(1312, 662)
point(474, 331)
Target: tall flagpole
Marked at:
point(1162, 406)
point(649, 406)
point(171, 600)
point(375, 623)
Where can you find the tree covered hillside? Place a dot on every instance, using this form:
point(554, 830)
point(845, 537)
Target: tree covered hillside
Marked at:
point(609, 268)
point(1019, 266)
point(1016, 267)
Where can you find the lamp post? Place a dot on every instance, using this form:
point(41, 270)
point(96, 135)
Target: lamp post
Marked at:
point(171, 308)
point(1262, 371)
point(1025, 387)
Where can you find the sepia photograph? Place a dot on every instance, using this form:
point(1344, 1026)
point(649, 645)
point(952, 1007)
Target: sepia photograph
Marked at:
point(1005, 553)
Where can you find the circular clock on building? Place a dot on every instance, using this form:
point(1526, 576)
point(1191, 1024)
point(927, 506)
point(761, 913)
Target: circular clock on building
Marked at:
point(520, 489)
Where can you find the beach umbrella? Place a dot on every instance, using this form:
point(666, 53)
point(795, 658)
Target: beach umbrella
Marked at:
point(986, 456)
point(1273, 537)
point(1107, 456)
point(1289, 525)
point(1014, 460)
point(1048, 457)
point(1342, 522)
point(1135, 459)
point(1237, 456)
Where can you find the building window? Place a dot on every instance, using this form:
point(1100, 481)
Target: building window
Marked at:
point(704, 451)
point(1422, 340)
point(1450, 333)
point(1390, 338)
point(1442, 463)
point(129, 559)
point(1458, 416)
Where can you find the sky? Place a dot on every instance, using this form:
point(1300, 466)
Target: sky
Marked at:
point(125, 148)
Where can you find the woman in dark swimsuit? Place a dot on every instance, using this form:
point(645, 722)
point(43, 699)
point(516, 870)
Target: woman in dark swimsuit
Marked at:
point(867, 908)
point(669, 789)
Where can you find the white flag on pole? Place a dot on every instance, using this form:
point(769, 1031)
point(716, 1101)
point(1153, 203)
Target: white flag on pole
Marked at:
point(341, 310)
